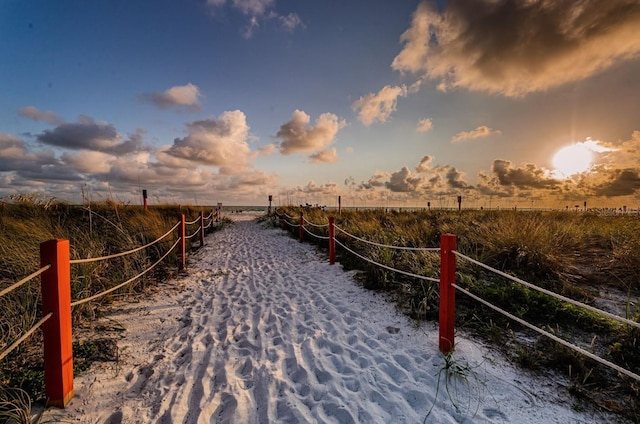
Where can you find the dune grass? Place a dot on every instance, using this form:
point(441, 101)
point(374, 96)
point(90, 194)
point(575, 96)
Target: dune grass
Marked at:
point(578, 255)
point(93, 230)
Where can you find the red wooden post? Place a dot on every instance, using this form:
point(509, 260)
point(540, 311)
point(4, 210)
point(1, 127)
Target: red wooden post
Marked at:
point(183, 243)
point(332, 242)
point(144, 199)
point(282, 223)
point(201, 228)
point(447, 292)
point(301, 228)
point(56, 298)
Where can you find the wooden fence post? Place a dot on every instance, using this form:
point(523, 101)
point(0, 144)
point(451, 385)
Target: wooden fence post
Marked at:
point(447, 293)
point(301, 228)
point(56, 298)
point(332, 242)
point(201, 228)
point(183, 243)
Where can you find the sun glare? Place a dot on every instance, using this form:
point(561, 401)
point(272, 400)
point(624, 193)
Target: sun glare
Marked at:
point(572, 159)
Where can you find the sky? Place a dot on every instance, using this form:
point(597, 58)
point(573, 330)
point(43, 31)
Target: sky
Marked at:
point(507, 103)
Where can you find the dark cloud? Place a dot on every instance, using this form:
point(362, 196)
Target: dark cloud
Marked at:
point(455, 179)
point(526, 176)
point(404, 181)
point(515, 47)
point(88, 134)
point(622, 183)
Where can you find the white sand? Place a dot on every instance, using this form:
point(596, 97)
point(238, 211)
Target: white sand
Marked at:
point(266, 330)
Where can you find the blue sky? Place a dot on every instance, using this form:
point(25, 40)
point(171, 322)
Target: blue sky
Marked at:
point(381, 102)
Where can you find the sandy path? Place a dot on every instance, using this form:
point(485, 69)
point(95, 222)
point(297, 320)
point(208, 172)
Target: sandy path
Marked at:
point(267, 331)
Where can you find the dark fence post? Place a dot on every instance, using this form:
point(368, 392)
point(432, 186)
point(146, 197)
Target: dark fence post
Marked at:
point(183, 243)
point(201, 228)
point(56, 298)
point(447, 293)
point(301, 228)
point(332, 241)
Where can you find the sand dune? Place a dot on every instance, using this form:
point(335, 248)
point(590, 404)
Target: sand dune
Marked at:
point(264, 330)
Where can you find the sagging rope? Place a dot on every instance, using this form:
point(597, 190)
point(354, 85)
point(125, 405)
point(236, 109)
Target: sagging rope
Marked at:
point(116, 255)
point(25, 335)
point(550, 335)
point(95, 296)
point(314, 225)
point(420, 249)
point(24, 280)
point(409, 274)
point(548, 292)
point(315, 235)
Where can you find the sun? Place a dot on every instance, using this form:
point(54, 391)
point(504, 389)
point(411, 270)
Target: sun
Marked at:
point(573, 159)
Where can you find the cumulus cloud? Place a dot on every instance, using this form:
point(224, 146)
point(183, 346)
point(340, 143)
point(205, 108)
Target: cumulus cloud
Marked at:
point(12, 147)
point(525, 176)
point(378, 107)
point(423, 166)
point(34, 113)
point(325, 156)
point(181, 96)
point(377, 180)
point(88, 162)
point(404, 181)
point(89, 134)
point(215, 141)
point(481, 131)
point(424, 125)
point(622, 182)
point(518, 47)
point(298, 136)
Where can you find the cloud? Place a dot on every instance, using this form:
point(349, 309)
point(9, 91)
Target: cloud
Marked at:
point(424, 125)
point(180, 96)
point(267, 150)
point(481, 131)
point(455, 179)
point(258, 11)
point(218, 141)
point(12, 147)
point(526, 176)
point(34, 113)
point(379, 107)
point(404, 181)
point(289, 22)
point(622, 183)
point(325, 156)
point(517, 47)
point(88, 134)
point(377, 180)
point(298, 136)
point(88, 162)
point(423, 166)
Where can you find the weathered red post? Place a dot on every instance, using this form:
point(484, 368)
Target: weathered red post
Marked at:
point(56, 298)
point(301, 228)
point(447, 292)
point(282, 219)
point(144, 199)
point(332, 241)
point(201, 228)
point(183, 243)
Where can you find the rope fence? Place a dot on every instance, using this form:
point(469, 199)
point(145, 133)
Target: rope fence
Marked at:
point(447, 281)
point(25, 336)
point(55, 273)
point(24, 280)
